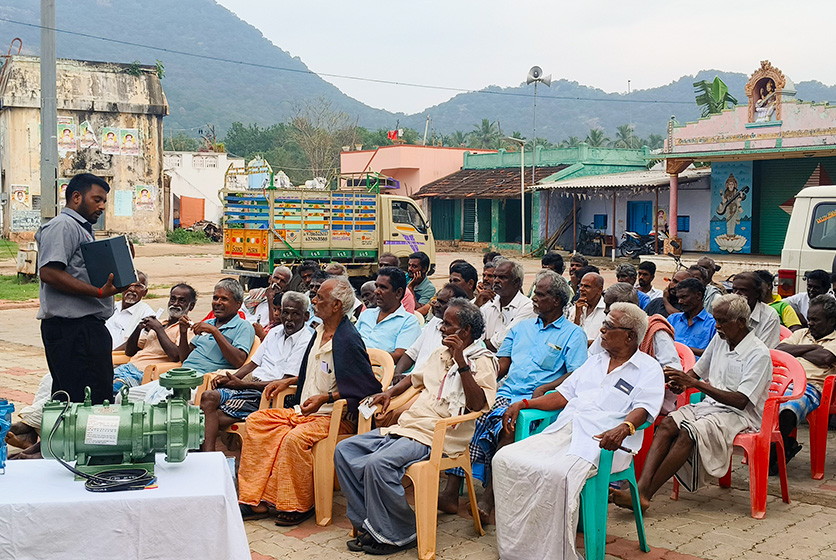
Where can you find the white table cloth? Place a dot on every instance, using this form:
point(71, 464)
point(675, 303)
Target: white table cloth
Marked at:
point(193, 513)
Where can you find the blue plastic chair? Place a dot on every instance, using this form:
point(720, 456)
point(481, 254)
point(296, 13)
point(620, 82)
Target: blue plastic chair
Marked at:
point(595, 493)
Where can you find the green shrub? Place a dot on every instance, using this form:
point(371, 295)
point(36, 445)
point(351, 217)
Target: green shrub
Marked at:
point(187, 237)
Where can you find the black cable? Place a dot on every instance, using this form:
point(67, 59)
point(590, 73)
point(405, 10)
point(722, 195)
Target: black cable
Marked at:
point(113, 480)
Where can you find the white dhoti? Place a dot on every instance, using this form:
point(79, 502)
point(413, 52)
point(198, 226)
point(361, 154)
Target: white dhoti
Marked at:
point(713, 429)
point(32, 414)
point(537, 487)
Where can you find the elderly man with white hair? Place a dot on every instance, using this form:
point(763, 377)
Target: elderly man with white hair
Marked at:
point(734, 373)
point(509, 306)
point(538, 481)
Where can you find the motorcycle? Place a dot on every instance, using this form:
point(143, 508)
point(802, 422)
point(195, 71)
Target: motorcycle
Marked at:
point(589, 240)
point(634, 244)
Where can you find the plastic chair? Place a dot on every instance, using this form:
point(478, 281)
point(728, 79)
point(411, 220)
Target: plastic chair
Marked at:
point(785, 333)
point(595, 493)
point(119, 358)
point(419, 317)
point(786, 370)
point(323, 451)
point(818, 427)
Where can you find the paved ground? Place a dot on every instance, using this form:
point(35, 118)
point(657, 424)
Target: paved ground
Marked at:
point(712, 524)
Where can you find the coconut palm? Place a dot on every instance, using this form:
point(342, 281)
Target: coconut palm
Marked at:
point(571, 142)
point(624, 138)
point(485, 135)
point(457, 139)
point(714, 97)
point(596, 138)
point(655, 141)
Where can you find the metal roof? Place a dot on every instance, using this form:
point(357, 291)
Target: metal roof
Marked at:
point(631, 180)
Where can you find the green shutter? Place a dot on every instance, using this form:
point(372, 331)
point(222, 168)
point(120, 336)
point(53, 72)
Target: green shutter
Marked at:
point(469, 220)
point(443, 218)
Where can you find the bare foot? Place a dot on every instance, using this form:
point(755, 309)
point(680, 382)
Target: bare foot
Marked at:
point(448, 504)
point(622, 498)
point(23, 440)
point(485, 507)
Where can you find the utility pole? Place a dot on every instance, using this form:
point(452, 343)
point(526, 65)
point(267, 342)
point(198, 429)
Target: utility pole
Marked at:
point(49, 114)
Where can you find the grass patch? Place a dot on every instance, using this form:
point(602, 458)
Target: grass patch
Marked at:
point(187, 237)
point(8, 249)
point(13, 288)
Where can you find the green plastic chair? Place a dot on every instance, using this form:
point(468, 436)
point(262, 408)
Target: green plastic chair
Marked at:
point(595, 493)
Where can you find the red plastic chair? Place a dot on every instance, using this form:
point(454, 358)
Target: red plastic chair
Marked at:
point(785, 333)
point(686, 357)
point(786, 370)
point(818, 427)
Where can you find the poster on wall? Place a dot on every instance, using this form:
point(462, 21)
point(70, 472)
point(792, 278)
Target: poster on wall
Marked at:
point(62, 191)
point(86, 137)
point(129, 141)
point(145, 198)
point(110, 140)
point(731, 207)
point(66, 137)
point(124, 203)
point(20, 197)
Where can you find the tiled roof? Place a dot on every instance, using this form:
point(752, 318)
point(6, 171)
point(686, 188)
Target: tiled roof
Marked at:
point(484, 183)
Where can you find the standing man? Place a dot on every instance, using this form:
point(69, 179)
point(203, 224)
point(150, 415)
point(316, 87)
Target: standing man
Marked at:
point(73, 311)
point(647, 272)
point(129, 312)
point(419, 283)
point(712, 267)
point(508, 305)
point(484, 290)
point(694, 327)
point(465, 276)
point(588, 311)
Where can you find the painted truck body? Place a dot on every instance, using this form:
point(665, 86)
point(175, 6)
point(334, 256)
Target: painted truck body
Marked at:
point(271, 227)
point(810, 243)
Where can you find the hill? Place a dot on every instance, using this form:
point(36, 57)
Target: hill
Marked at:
point(202, 91)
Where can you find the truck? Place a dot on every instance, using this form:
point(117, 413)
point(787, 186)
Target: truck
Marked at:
point(267, 227)
point(810, 243)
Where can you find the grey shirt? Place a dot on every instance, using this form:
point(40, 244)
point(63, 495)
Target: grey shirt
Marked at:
point(59, 241)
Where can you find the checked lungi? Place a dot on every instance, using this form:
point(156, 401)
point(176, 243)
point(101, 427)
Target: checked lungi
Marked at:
point(485, 441)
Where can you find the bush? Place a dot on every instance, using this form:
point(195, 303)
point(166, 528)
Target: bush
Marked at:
point(187, 237)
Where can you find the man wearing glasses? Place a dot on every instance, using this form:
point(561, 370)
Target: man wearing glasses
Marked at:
point(129, 312)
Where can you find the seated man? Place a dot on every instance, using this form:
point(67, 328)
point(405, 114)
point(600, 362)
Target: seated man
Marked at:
point(153, 342)
point(465, 276)
point(276, 458)
point(222, 342)
point(711, 292)
point(486, 285)
point(460, 377)
point(647, 272)
point(763, 320)
point(627, 273)
point(815, 349)
point(367, 295)
point(508, 306)
point(389, 259)
point(319, 276)
point(588, 311)
point(786, 313)
point(734, 373)
point(818, 282)
point(419, 283)
point(300, 280)
point(694, 326)
point(236, 396)
point(537, 354)
point(576, 274)
point(389, 327)
point(668, 303)
point(712, 268)
point(129, 312)
point(538, 480)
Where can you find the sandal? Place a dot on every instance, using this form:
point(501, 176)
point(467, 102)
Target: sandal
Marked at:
point(383, 549)
point(293, 518)
point(249, 514)
point(357, 544)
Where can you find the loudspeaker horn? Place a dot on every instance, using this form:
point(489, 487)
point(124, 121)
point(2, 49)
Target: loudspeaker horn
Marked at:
point(536, 75)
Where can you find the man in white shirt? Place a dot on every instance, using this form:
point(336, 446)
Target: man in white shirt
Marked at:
point(236, 395)
point(818, 283)
point(588, 311)
point(696, 440)
point(129, 312)
point(509, 305)
point(647, 272)
point(763, 320)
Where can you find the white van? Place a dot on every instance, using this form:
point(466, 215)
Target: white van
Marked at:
point(811, 238)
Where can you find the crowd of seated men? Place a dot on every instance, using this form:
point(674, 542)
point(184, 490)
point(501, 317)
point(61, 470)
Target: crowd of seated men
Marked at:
point(606, 356)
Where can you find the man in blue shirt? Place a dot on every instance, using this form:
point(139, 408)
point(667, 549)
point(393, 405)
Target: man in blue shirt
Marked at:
point(389, 327)
point(536, 352)
point(627, 273)
point(419, 282)
point(694, 327)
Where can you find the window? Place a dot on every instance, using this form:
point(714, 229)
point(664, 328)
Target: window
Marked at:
point(599, 221)
point(197, 162)
point(823, 230)
point(683, 223)
point(210, 162)
point(405, 213)
point(171, 161)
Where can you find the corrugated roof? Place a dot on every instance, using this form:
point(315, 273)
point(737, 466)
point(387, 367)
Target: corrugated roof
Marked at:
point(484, 183)
point(632, 180)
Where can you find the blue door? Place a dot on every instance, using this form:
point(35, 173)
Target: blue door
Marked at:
point(640, 216)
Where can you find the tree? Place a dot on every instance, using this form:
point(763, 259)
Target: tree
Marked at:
point(624, 138)
point(484, 136)
point(181, 142)
point(571, 142)
point(596, 138)
point(714, 97)
point(655, 141)
point(321, 132)
point(457, 139)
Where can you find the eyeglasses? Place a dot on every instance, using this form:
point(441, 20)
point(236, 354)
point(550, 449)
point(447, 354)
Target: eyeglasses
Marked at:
point(609, 326)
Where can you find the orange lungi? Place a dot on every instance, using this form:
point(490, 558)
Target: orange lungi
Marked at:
point(277, 458)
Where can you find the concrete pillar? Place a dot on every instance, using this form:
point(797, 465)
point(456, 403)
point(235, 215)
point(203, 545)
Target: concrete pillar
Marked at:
point(536, 234)
point(496, 221)
point(674, 205)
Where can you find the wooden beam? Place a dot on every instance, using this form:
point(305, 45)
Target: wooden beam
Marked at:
point(677, 166)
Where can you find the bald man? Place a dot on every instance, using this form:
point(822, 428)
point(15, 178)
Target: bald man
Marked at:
point(588, 311)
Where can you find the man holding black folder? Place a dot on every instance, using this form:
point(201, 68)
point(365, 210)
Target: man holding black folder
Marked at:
point(73, 311)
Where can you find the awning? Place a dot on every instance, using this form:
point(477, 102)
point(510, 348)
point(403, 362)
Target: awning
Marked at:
point(631, 181)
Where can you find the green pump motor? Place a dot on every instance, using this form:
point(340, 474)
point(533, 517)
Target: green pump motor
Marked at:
point(103, 437)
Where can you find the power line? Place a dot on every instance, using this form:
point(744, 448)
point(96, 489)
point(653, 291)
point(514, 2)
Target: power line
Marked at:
point(342, 76)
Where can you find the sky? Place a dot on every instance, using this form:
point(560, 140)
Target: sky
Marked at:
point(471, 44)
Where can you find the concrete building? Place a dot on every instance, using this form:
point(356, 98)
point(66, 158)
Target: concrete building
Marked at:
point(110, 122)
point(195, 181)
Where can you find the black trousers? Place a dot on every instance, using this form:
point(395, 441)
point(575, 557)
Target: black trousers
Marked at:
point(78, 353)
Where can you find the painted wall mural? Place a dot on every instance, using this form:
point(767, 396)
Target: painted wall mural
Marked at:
point(731, 204)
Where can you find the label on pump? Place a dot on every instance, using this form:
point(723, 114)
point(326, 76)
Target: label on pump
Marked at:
point(102, 429)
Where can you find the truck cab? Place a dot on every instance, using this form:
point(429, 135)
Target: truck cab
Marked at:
point(810, 243)
point(404, 229)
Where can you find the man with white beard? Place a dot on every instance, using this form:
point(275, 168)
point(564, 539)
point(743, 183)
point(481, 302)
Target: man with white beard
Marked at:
point(152, 342)
point(129, 312)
